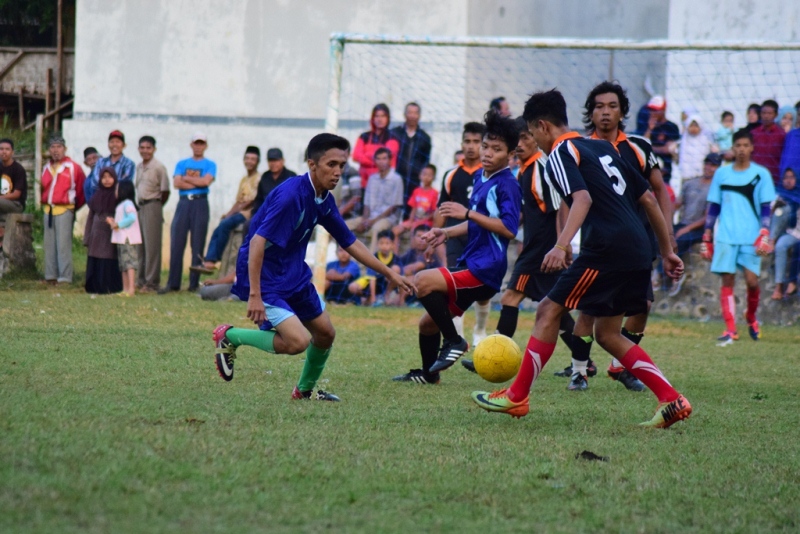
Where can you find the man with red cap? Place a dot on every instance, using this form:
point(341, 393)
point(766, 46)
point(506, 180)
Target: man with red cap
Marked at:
point(662, 133)
point(123, 166)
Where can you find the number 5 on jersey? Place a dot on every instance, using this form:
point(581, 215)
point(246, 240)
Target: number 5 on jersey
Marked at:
point(613, 172)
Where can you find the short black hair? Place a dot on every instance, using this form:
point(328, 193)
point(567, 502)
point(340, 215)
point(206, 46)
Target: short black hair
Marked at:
point(457, 152)
point(742, 134)
point(495, 103)
point(323, 142)
point(546, 105)
point(147, 139)
point(382, 150)
point(432, 167)
point(422, 228)
point(473, 128)
point(522, 126)
point(126, 191)
point(601, 89)
point(770, 103)
point(387, 234)
point(415, 105)
point(501, 128)
point(726, 114)
point(7, 141)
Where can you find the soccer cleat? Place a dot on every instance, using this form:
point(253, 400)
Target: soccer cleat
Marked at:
point(469, 365)
point(670, 413)
point(621, 375)
point(498, 401)
point(591, 370)
point(578, 382)
point(418, 376)
point(449, 354)
point(727, 338)
point(310, 395)
point(225, 352)
point(755, 330)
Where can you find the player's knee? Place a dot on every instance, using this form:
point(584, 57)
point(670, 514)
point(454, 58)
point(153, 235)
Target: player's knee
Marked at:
point(511, 298)
point(548, 312)
point(604, 337)
point(424, 288)
point(324, 337)
point(297, 343)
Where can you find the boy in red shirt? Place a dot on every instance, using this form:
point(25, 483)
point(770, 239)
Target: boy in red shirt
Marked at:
point(422, 201)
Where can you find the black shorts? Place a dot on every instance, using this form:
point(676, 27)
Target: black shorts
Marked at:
point(535, 286)
point(463, 290)
point(602, 294)
point(455, 248)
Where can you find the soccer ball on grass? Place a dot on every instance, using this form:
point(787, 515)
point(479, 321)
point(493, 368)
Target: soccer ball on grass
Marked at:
point(497, 358)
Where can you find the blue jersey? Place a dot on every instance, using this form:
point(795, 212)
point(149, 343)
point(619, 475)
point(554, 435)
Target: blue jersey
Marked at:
point(196, 169)
point(499, 197)
point(287, 220)
point(740, 195)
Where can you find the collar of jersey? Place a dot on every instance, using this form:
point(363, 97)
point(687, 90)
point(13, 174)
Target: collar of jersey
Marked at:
point(564, 137)
point(528, 162)
point(317, 199)
point(469, 170)
point(485, 179)
point(620, 137)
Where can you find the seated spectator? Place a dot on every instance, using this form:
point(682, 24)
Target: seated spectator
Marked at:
point(768, 140)
point(415, 260)
point(383, 200)
point(338, 275)
point(122, 165)
point(219, 289)
point(370, 142)
point(785, 233)
point(13, 184)
point(350, 193)
point(276, 174)
point(240, 212)
point(696, 144)
point(787, 116)
point(692, 206)
point(422, 202)
point(374, 286)
point(723, 137)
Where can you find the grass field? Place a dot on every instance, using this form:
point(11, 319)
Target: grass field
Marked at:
point(113, 419)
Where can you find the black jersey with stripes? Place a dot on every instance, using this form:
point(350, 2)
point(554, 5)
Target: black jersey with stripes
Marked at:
point(540, 204)
point(612, 235)
point(457, 187)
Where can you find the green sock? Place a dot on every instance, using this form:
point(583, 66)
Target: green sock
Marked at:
point(260, 339)
point(312, 370)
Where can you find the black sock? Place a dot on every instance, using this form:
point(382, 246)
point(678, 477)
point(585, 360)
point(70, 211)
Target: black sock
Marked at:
point(429, 349)
point(635, 338)
point(435, 304)
point(507, 324)
point(581, 347)
point(566, 327)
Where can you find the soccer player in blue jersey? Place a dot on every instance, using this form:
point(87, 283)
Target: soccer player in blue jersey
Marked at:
point(490, 221)
point(740, 196)
point(610, 277)
point(274, 279)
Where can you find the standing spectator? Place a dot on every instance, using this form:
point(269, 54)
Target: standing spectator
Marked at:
point(768, 140)
point(102, 267)
point(62, 193)
point(414, 151)
point(791, 151)
point(126, 235)
point(90, 157)
point(191, 178)
point(692, 206)
point(383, 200)
point(275, 175)
point(422, 203)
point(788, 118)
point(753, 117)
point(240, 212)
point(13, 184)
point(338, 275)
point(124, 167)
point(458, 157)
point(369, 142)
point(152, 190)
point(500, 105)
point(696, 144)
point(723, 137)
point(663, 134)
point(785, 233)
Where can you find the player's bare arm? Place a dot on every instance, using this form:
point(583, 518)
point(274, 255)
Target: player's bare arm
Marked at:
point(362, 255)
point(673, 265)
point(457, 211)
point(561, 254)
point(255, 259)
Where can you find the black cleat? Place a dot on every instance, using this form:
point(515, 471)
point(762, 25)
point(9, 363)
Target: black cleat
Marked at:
point(627, 379)
point(591, 370)
point(418, 376)
point(468, 365)
point(449, 354)
point(310, 395)
point(578, 382)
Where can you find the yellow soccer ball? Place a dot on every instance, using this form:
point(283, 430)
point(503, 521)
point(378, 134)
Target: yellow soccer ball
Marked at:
point(497, 358)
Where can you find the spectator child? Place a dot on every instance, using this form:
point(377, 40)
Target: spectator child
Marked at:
point(416, 260)
point(102, 267)
point(422, 202)
point(723, 137)
point(785, 233)
point(126, 234)
point(376, 283)
point(696, 144)
point(338, 275)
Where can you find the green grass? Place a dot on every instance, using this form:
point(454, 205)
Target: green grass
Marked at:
point(112, 419)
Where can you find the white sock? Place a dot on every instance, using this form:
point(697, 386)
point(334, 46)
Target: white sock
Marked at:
point(481, 317)
point(579, 367)
point(459, 322)
point(616, 363)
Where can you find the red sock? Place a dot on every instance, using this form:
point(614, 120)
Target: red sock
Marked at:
point(728, 304)
point(753, 296)
point(642, 367)
point(536, 355)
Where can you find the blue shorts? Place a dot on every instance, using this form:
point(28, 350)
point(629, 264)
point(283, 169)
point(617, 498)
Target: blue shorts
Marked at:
point(306, 304)
point(727, 258)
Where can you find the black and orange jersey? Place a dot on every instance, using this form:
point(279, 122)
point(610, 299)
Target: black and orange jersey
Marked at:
point(540, 203)
point(457, 187)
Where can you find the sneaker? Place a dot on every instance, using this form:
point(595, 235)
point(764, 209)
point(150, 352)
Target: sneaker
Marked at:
point(166, 289)
point(468, 365)
point(477, 338)
point(225, 353)
point(578, 382)
point(201, 269)
point(755, 330)
point(677, 285)
point(727, 338)
point(310, 395)
point(449, 354)
point(670, 413)
point(591, 370)
point(418, 376)
point(498, 401)
point(624, 377)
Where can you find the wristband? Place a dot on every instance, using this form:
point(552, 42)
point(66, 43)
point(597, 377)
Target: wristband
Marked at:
point(561, 247)
point(466, 217)
point(446, 237)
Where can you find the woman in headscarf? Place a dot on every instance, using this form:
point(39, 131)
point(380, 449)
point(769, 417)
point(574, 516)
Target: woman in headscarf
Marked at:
point(377, 137)
point(696, 144)
point(102, 267)
point(787, 116)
